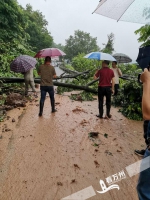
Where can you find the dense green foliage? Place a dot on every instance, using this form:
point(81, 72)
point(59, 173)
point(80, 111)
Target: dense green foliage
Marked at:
point(79, 63)
point(81, 42)
point(12, 21)
point(109, 46)
point(36, 28)
point(130, 95)
point(22, 31)
point(144, 33)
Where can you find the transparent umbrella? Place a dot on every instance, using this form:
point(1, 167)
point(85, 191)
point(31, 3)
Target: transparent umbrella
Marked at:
point(137, 11)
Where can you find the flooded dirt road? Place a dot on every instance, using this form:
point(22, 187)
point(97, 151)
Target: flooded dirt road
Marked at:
point(51, 157)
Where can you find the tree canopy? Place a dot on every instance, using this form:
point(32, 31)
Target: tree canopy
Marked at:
point(22, 31)
point(36, 28)
point(81, 42)
point(12, 20)
point(109, 46)
point(144, 33)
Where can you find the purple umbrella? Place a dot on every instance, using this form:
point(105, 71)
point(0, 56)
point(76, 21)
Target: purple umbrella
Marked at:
point(23, 64)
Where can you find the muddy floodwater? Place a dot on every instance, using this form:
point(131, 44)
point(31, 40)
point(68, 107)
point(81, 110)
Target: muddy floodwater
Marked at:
point(52, 157)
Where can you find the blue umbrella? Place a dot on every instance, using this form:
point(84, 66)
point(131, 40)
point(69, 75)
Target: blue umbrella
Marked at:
point(100, 56)
point(143, 58)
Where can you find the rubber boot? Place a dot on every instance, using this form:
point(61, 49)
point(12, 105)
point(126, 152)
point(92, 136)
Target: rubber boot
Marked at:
point(53, 106)
point(108, 113)
point(41, 109)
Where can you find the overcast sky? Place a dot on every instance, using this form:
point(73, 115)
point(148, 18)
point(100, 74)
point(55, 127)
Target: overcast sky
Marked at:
point(66, 16)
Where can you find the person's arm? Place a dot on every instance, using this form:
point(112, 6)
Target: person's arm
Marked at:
point(113, 85)
point(54, 73)
point(55, 76)
point(39, 71)
point(96, 75)
point(145, 78)
point(119, 72)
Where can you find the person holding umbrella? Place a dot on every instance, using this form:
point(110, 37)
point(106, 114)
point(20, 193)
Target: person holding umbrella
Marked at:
point(47, 73)
point(29, 80)
point(117, 73)
point(24, 64)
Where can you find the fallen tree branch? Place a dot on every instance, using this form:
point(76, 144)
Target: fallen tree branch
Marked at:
point(69, 85)
point(56, 83)
point(73, 75)
point(129, 78)
point(90, 83)
point(68, 70)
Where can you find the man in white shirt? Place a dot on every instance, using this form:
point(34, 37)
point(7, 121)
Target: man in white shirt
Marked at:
point(117, 73)
point(29, 80)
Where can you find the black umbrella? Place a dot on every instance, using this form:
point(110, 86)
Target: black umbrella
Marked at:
point(122, 58)
point(143, 58)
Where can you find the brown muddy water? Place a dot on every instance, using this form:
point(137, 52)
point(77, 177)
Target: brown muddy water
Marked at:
point(52, 157)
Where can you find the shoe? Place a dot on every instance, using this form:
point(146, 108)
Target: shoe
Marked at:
point(140, 152)
point(35, 95)
point(53, 106)
point(99, 116)
point(54, 110)
point(109, 116)
point(41, 109)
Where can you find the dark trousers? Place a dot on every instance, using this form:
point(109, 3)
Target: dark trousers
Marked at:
point(146, 127)
point(44, 90)
point(116, 89)
point(104, 91)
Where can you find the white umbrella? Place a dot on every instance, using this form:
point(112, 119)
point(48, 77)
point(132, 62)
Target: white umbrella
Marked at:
point(136, 11)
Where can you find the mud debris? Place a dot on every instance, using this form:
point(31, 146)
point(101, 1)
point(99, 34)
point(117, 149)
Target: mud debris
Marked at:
point(7, 129)
point(106, 135)
point(76, 166)
point(96, 163)
point(59, 183)
point(13, 120)
point(93, 134)
point(83, 122)
point(73, 181)
point(108, 153)
point(78, 109)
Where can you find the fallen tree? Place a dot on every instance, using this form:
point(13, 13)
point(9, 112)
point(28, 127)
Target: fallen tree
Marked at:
point(63, 76)
point(56, 82)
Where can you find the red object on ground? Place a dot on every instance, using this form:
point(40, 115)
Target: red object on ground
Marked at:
point(49, 52)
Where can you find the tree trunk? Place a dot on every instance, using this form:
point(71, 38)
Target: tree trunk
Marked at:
point(56, 83)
